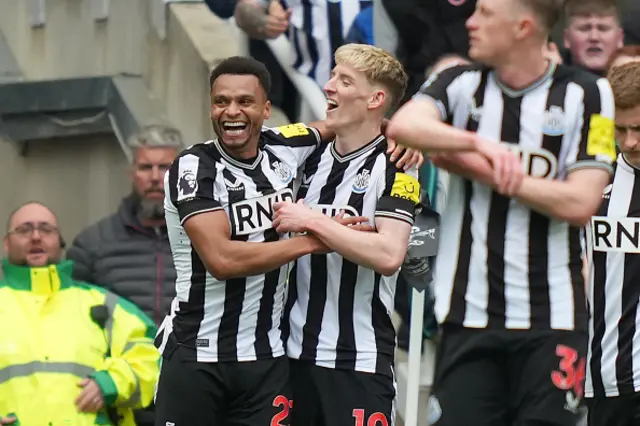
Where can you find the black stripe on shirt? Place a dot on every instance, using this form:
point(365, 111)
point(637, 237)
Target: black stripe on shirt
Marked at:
point(346, 347)
point(497, 223)
point(318, 287)
point(235, 289)
point(539, 227)
point(458, 308)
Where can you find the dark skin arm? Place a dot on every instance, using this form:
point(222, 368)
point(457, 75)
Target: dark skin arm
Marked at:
point(225, 259)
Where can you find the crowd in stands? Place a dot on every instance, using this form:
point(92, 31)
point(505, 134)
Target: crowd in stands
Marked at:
point(121, 269)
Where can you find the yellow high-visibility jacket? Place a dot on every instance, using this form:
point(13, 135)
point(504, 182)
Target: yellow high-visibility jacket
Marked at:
point(54, 332)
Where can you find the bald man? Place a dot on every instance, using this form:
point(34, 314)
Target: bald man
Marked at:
point(88, 354)
point(32, 237)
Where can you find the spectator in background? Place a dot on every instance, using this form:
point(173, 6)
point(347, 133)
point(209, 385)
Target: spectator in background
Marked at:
point(593, 33)
point(263, 26)
point(128, 252)
point(426, 31)
point(316, 29)
point(361, 30)
point(72, 353)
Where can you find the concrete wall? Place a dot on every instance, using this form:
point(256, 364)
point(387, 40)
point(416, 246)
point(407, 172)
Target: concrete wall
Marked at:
point(80, 179)
point(71, 43)
point(84, 179)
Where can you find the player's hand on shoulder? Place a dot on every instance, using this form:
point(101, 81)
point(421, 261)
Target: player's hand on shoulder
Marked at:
point(507, 167)
point(403, 157)
point(292, 217)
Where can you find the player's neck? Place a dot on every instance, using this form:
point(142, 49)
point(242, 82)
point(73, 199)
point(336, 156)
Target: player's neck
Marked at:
point(355, 137)
point(247, 152)
point(523, 69)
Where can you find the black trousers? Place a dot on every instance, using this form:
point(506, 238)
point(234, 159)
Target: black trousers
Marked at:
point(621, 410)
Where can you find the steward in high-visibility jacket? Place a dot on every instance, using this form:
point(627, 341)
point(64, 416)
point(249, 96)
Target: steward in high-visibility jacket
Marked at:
point(56, 332)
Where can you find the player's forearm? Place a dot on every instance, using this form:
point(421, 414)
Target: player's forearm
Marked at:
point(242, 259)
point(470, 165)
point(369, 249)
point(250, 17)
point(558, 199)
point(428, 134)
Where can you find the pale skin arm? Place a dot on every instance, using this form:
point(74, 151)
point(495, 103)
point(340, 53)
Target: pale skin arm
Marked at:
point(470, 165)
point(419, 124)
point(382, 251)
point(574, 200)
point(225, 259)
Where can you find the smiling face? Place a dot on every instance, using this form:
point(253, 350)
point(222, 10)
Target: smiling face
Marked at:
point(348, 97)
point(592, 40)
point(33, 238)
point(239, 107)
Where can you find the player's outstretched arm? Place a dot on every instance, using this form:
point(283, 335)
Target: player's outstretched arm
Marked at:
point(418, 124)
point(574, 200)
point(225, 259)
point(382, 251)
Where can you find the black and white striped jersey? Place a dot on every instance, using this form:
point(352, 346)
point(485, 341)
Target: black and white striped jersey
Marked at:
point(237, 319)
point(502, 265)
point(317, 29)
point(339, 313)
point(613, 253)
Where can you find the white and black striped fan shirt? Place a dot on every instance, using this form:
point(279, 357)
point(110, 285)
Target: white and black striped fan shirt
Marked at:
point(318, 28)
point(613, 250)
point(237, 319)
point(502, 265)
point(339, 313)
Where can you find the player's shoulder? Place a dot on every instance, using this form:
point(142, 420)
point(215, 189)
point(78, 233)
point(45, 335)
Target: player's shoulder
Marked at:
point(450, 74)
point(201, 150)
point(302, 134)
point(194, 157)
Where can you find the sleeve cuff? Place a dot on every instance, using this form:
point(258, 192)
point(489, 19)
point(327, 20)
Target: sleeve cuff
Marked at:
point(397, 216)
point(107, 387)
point(195, 206)
point(589, 164)
point(316, 133)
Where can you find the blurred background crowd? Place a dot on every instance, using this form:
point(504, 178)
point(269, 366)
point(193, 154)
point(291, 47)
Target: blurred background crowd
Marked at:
point(97, 97)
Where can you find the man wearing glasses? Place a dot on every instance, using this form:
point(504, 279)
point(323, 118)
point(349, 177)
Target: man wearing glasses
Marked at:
point(70, 352)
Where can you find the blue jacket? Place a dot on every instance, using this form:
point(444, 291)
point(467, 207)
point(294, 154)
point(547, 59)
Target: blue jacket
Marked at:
point(361, 30)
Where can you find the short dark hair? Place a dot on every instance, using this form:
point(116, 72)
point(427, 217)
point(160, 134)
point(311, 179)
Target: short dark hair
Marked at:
point(575, 8)
point(547, 11)
point(241, 65)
